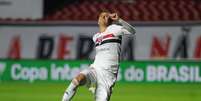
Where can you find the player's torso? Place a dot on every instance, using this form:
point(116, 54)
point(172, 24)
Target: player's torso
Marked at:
point(108, 48)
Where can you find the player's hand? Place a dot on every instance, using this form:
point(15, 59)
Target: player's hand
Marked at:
point(114, 16)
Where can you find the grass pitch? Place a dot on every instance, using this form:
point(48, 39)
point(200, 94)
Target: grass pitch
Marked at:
point(41, 91)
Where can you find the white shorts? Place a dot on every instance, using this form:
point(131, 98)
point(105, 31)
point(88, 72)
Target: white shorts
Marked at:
point(100, 82)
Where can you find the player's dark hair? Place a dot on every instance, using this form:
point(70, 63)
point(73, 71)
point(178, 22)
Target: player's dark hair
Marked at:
point(105, 10)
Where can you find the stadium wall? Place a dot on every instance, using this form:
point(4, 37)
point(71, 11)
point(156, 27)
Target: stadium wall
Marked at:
point(73, 41)
point(21, 9)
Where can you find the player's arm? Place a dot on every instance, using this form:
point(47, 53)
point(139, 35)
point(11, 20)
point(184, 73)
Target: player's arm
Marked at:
point(127, 26)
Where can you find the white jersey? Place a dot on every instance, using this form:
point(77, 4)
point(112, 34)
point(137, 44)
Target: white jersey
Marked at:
point(108, 47)
point(102, 75)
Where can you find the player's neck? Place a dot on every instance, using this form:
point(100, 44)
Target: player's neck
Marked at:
point(102, 28)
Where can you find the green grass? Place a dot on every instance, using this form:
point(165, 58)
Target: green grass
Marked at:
point(18, 91)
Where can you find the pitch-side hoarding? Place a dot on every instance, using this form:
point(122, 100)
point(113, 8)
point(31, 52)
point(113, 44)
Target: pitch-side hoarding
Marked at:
point(75, 42)
point(130, 71)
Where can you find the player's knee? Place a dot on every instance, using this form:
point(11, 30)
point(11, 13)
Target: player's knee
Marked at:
point(102, 95)
point(80, 79)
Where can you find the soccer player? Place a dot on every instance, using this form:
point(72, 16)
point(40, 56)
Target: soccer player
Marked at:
point(103, 72)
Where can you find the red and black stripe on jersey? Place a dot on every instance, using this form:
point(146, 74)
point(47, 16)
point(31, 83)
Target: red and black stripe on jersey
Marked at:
point(112, 39)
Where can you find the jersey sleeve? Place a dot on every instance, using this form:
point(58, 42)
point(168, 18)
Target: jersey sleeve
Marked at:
point(94, 38)
point(121, 28)
point(126, 28)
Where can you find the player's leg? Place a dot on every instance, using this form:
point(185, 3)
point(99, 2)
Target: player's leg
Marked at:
point(105, 83)
point(86, 77)
point(71, 90)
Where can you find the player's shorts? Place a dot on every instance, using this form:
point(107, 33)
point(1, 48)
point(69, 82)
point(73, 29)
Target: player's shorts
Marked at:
point(100, 82)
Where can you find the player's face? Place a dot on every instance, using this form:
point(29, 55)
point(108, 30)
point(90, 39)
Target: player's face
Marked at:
point(103, 18)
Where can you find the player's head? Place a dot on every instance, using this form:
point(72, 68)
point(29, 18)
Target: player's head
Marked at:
point(104, 18)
